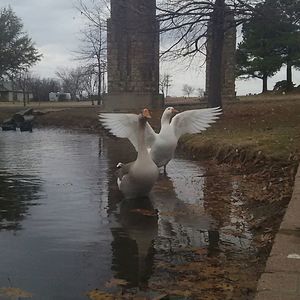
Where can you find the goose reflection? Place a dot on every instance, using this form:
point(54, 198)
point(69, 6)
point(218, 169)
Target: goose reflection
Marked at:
point(132, 246)
point(133, 223)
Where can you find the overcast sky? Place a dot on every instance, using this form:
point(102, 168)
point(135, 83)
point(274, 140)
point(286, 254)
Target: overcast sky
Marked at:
point(54, 25)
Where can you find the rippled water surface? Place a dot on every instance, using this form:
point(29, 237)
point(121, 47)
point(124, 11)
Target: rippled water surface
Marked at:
point(65, 230)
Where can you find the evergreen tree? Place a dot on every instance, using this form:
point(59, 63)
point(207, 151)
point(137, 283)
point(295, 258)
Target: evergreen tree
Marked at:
point(17, 51)
point(271, 39)
point(289, 41)
point(257, 55)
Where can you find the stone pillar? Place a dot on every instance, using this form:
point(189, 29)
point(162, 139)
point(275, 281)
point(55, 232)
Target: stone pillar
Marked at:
point(132, 55)
point(228, 59)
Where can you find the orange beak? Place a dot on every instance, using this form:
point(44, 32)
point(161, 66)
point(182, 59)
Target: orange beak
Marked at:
point(175, 111)
point(146, 113)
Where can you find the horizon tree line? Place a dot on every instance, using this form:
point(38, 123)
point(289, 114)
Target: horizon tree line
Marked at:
point(184, 30)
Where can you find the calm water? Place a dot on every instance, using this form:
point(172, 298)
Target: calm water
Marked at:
point(65, 230)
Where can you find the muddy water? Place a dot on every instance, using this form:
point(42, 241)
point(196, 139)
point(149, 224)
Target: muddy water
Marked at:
point(65, 229)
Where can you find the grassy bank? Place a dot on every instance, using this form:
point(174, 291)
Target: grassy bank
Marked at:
point(251, 132)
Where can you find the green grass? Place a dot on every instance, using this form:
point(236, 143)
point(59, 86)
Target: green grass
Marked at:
point(272, 129)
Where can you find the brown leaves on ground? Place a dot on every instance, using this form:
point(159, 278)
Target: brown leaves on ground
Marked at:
point(247, 204)
point(100, 295)
point(115, 282)
point(208, 280)
point(14, 293)
point(197, 286)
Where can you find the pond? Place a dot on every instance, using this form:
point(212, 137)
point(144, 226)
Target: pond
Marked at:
point(65, 229)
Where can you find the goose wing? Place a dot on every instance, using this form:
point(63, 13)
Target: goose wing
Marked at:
point(194, 121)
point(126, 126)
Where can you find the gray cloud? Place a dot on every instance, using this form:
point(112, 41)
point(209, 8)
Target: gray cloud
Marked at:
point(54, 25)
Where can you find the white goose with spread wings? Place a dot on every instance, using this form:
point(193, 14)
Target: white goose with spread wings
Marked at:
point(162, 145)
point(137, 178)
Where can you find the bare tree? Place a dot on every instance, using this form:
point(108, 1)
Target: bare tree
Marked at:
point(200, 92)
point(21, 80)
point(41, 87)
point(165, 84)
point(89, 82)
point(71, 80)
point(94, 41)
point(188, 90)
point(185, 25)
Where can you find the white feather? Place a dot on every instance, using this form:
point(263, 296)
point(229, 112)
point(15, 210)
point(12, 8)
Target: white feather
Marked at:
point(162, 145)
point(126, 126)
point(194, 121)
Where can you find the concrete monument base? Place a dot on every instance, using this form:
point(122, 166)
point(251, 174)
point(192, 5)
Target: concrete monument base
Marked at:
point(131, 101)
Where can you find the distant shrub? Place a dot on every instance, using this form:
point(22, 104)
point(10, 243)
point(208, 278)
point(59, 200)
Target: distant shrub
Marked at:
point(283, 86)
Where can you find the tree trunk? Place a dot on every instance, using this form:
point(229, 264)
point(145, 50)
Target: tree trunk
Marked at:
point(265, 83)
point(215, 66)
point(24, 99)
point(289, 72)
point(24, 92)
point(289, 75)
point(99, 83)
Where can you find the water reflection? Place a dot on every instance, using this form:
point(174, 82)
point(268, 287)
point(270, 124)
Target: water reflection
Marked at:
point(132, 246)
point(17, 193)
point(20, 186)
point(214, 188)
point(182, 221)
point(223, 200)
point(63, 249)
point(78, 232)
point(133, 223)
point(179, 200)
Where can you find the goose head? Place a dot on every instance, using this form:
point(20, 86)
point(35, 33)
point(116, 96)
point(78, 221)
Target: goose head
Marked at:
point(145, 115)
point(168, 113)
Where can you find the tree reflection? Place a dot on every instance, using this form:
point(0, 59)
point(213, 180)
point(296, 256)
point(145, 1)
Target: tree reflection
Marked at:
point(216, 195)
point(16, 195)
point(178, 196)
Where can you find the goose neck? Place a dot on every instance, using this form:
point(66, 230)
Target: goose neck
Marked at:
point(142, 149)
point(165, 120)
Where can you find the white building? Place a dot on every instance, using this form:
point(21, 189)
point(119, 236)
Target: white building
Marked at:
point(59, 96)
point(10, 93)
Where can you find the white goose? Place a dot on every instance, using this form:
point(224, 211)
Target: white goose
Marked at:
point(162, 145)
point(137, 178)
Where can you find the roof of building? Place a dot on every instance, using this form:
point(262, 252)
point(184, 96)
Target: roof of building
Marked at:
point(8, 86)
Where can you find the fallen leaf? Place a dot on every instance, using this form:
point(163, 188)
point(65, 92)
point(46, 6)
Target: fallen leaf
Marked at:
point(115, 282)
point(99, 295)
